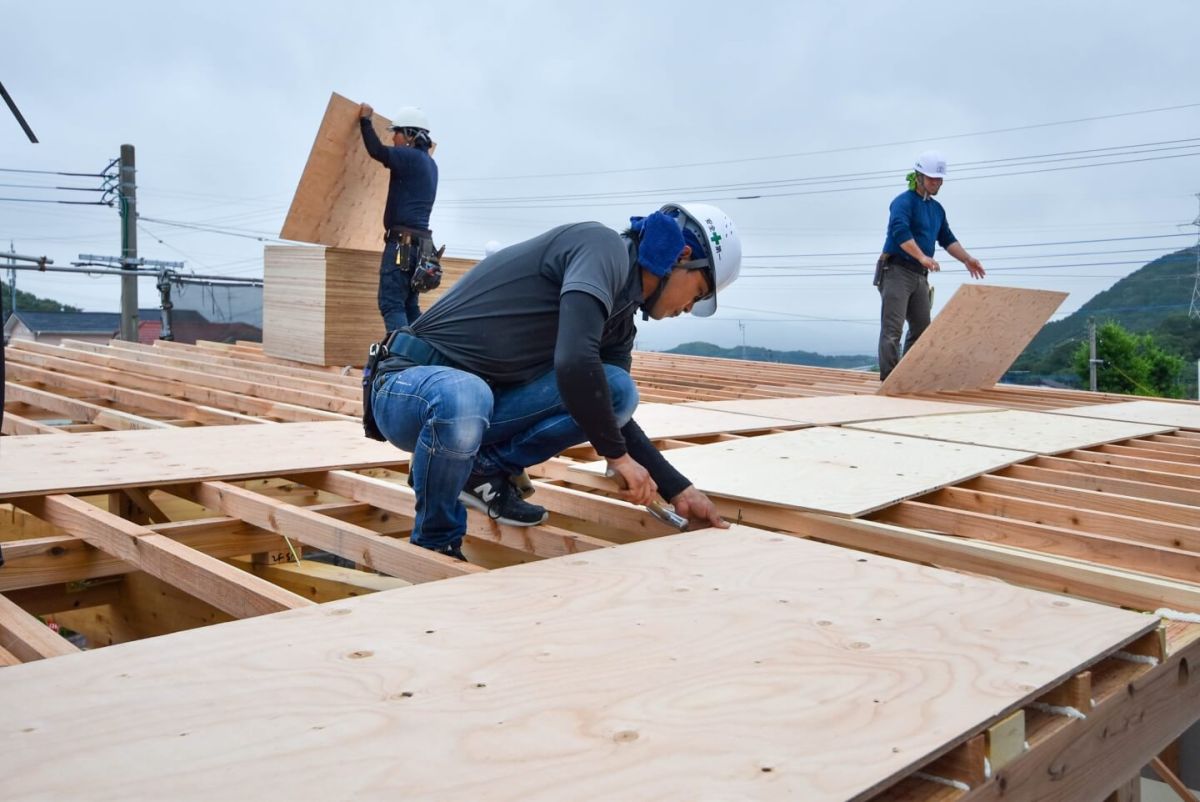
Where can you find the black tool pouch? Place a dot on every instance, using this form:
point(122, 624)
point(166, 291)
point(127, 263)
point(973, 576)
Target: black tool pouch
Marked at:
point(377, 352)
point(880, 266)
point(427, 272)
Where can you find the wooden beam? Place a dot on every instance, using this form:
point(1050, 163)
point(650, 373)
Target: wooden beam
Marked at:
point(1030, 569)
point(389, 555)
point(1087, 758)
point(26, 637)
point(1126, 554)
point(207, 578)
point(543, 541)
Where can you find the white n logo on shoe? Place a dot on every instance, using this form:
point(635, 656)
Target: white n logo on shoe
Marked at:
point(486, 492)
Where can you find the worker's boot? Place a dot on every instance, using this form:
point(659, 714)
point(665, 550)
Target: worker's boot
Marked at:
point(502, 502)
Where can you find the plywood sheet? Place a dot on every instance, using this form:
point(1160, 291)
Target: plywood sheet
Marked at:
point(1038, 432)
point(683, 420)
point(341, 194)
point(36, 464)
point(835, 409)
point(977, 336)
point(835, 470)
point(711, 665)
point(1166, 413)
point(320, 305)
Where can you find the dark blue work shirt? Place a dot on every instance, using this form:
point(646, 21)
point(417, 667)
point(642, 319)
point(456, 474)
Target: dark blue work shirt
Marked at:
point(916, 218)
point(412, 187)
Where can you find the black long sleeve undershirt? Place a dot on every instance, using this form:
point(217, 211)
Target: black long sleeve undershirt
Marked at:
point(584, 390)
point(375, 149)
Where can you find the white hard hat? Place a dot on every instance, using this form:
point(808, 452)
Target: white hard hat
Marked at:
point(721, 241)
point(490, 247)
point(932, 163)
point(410, 117)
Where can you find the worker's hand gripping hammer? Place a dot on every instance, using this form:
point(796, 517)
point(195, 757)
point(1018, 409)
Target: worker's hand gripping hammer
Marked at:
point(662, 512)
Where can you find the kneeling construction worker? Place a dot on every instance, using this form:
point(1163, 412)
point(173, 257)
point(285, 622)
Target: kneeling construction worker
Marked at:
point(530, 353)
point(412, 188)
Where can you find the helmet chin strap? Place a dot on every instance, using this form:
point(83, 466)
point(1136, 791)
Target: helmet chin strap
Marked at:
point(694, 264)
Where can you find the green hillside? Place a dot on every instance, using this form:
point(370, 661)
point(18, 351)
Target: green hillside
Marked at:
point(30, 303)
point(770, 355)
point(1139, 302)
point(1153, 299)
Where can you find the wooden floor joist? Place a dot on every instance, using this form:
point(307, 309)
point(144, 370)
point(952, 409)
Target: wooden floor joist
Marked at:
point(200, 575)
point(1117, 523)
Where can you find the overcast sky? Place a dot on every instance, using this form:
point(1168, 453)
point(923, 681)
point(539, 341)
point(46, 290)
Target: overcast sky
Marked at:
point(539, 103)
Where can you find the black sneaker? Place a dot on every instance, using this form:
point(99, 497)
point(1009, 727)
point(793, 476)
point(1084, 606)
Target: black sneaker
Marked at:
point(501, 501)
point(452, 551)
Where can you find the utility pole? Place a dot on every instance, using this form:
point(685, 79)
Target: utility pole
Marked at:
point(129, 287)
point(742, 329)
point(1092, 361)
point(12, 282)
point(1194, 309)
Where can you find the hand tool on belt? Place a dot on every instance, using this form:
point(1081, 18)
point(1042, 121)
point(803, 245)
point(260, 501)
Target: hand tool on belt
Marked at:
point(662, 512)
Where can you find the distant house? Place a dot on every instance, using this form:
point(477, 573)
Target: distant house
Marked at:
point(187, 326)
point(54, 327)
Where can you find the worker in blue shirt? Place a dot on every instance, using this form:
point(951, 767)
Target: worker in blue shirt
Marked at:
point(412, 189)
point(916, 223)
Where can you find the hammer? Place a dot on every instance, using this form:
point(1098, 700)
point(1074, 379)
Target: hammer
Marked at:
point(662, 512)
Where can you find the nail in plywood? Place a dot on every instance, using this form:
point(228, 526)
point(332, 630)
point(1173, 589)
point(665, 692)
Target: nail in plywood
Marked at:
point(340, 197)
point(1037, 432)
point(825, 469)
point(320, 305)
point(37, 464)
point(974, 339)
point(835, 409)
point(714, 664)
point(1166, 413)
point(684, 420)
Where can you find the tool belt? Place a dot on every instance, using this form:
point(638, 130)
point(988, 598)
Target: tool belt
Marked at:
point(897, 260)
point(410, 351)
point(416, 256)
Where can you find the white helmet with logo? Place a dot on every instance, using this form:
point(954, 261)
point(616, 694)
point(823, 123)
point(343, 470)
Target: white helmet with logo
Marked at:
point(722, 244)
point(931, 163)
point(410, 117)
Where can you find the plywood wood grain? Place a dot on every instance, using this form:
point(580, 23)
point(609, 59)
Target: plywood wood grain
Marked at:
point(1166, 413)
point(320, 305)
point(711, 665)
point(35, 464)
point(835, 470)
point(1038, 432)
point(974, 339)
point(835, 409)
point(683, 420)
point(341, 194)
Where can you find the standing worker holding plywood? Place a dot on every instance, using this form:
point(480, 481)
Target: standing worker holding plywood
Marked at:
point(409, 264)
point(916, 223)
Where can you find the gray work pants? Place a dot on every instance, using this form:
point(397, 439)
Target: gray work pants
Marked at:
point(905, 295)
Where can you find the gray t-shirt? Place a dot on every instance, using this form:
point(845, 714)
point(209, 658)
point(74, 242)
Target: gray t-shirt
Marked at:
point(500, 321)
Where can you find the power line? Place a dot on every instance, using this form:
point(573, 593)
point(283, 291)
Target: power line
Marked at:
point(986, 164)
point(981, 247)
point(566, 201)
point(847, 149)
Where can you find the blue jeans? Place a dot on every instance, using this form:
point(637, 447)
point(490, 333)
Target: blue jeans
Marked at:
point(397, 301)
point(455, 425)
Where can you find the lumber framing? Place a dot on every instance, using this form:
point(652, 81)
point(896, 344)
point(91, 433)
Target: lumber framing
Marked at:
point(1117, 523)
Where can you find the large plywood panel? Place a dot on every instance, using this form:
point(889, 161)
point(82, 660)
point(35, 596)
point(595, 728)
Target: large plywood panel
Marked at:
point(1038, 432)
point(977, 336)
point(320, 305)
point(36, 464)
point(1166, 413)
point(711, 665)
point(683, 420)
point(341, 194)
point(835, 409)
point(839, 471)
